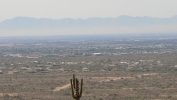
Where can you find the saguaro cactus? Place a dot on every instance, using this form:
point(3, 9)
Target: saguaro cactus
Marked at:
point(75, 88)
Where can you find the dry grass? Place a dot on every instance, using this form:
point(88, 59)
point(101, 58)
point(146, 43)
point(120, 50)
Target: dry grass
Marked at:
point(115, 86)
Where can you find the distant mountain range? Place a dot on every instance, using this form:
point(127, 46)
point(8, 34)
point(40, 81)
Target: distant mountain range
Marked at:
point(33, 23)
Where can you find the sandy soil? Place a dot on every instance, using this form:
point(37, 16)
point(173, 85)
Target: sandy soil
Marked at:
point(62, 87)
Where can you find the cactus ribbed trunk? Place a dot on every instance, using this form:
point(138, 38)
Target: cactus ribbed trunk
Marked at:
point(75, 88)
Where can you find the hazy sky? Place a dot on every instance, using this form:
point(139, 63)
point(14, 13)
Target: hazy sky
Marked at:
point(57, 9)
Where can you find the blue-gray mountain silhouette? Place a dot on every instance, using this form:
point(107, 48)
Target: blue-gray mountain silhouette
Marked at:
point(33, 23)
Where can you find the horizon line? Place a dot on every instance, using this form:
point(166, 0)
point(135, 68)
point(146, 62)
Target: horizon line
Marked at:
point(85, 18)
point(110, 34)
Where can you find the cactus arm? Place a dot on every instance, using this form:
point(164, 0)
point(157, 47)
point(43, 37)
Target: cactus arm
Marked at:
point(74, 81)
point(81, 88)
point(72, 90)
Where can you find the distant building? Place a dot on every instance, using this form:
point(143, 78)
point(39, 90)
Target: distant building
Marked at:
point(87, 54)
point(85, 69)
point(97, 54)
point(61, 69)
point(24, 68)
point(39, 69)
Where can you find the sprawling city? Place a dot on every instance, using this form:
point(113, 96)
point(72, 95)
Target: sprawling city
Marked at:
point(113, 67)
